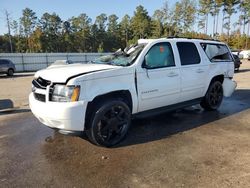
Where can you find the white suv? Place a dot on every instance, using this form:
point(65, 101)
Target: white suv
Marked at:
point(152, 76)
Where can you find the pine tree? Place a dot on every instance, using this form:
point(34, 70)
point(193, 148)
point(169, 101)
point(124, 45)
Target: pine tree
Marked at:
point(230, 9)
point(125, 30)
point(203, 11)
point(176, 17)
point(113, 39)
point(28, 23)
point(51, 26)
point(140, 23)
point(188, 14)
point(157, 24)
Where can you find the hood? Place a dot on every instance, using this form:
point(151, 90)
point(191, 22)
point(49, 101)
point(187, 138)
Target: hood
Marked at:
point(61, 74)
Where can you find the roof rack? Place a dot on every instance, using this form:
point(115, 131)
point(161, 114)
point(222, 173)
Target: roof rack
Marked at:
point(177, 37)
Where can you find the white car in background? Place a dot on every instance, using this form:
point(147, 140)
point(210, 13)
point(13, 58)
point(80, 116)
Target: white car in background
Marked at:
point(237, 52)
point(154, 76)
point(245, 54)
point(58, 63)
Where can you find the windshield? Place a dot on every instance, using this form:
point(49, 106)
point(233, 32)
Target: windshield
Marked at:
point(121, 57)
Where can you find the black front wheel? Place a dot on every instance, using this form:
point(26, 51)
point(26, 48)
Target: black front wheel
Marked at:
point(109, 123)
point(213, 97)
point(10, 72)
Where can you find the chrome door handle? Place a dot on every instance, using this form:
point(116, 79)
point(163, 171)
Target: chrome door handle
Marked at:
point(200, 71)
point(172, 74)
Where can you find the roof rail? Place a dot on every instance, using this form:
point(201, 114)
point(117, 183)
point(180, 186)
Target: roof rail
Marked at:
point(177, 37)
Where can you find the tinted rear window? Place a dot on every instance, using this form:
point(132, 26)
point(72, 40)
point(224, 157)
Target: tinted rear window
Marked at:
point(216, 52)
point(4, 62)
point(189, 54)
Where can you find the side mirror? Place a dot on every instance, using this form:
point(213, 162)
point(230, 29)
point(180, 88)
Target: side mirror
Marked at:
point(144, 64)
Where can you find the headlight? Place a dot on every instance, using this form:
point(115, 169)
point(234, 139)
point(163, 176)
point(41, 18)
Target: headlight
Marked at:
point(63, 93)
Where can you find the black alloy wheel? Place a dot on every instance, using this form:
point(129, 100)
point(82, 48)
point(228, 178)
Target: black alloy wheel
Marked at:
point(214, 96)
point(10, 72)
point(110, 123)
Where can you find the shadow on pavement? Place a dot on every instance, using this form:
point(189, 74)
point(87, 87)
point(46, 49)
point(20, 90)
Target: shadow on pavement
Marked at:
point(242, 71)
point(166, 125)
point(13, 111)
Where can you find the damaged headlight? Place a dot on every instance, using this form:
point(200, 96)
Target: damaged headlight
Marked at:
point(63, 93)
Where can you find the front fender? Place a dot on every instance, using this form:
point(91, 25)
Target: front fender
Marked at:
point(102, 86)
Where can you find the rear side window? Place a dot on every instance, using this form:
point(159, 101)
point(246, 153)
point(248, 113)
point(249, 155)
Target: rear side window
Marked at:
point(4, 62)
point(216, 52)
point(189, 54)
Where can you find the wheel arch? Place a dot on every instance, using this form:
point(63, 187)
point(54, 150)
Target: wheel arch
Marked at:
point(219, 77)
point(11, 68)
point(125, 95)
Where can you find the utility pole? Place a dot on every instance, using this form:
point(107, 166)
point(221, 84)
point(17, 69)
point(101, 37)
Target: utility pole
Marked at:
point(248, 34)
point(7, 15)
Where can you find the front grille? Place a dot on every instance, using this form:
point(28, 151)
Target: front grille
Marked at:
point(41, 83)
point(40, 97)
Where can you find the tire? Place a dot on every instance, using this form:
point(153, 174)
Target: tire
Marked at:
point(109, 123)
point(213, 97)
point(10, 72)
point(236, 69)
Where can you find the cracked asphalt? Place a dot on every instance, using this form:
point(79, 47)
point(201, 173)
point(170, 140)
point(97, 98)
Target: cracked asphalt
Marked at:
point(186, 148)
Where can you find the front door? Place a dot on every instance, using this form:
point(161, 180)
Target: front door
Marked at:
point(159, 79)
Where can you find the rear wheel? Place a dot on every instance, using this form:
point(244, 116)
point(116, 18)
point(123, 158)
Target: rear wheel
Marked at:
point(10, 72)
point(109, 123)
point(213, 97)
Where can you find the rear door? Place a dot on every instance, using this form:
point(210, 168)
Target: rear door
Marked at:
point(159, 78)
point(193, 71)
point(3, 65)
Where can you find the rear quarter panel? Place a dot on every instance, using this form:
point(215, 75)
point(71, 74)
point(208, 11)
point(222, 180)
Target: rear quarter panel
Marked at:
point(216, 68)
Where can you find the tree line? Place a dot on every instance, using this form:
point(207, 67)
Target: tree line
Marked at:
point(50, 33)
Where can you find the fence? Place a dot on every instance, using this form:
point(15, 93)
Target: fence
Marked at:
point(36, 61)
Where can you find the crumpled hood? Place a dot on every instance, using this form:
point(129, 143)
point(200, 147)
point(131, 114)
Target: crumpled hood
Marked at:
point(61, 74)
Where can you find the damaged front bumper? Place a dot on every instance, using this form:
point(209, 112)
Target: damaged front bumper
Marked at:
point(65, 116)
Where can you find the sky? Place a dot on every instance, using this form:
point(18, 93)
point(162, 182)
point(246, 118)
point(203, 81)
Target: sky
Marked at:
point(68, 8)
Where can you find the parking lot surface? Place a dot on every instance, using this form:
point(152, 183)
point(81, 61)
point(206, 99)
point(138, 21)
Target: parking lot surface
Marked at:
point(186, 148)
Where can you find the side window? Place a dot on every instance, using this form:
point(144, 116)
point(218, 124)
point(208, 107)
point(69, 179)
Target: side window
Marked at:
point(160, 55)
point(4, 62)
point(189, 54)
point(216, 52)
